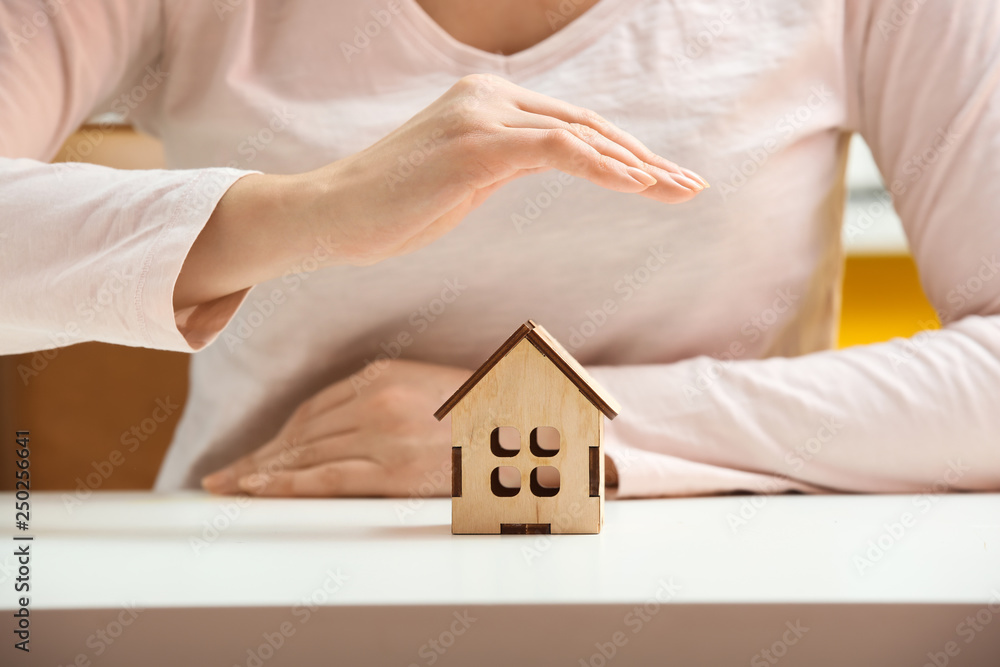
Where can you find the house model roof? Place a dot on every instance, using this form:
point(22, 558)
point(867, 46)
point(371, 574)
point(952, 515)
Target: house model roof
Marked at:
point(556, 353)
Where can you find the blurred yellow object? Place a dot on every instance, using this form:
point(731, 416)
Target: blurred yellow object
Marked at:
point(882, 299)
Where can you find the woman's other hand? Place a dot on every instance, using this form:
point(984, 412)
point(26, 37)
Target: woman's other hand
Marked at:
point(372, 434)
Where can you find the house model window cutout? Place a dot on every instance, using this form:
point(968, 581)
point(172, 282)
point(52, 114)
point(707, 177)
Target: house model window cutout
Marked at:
point(527, 433)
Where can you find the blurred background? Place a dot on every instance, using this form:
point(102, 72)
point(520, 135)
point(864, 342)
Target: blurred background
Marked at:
point(100, 415)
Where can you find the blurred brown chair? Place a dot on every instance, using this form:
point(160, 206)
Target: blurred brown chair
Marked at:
point(100, 416)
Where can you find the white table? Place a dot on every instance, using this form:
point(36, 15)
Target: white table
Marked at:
point(667, 582)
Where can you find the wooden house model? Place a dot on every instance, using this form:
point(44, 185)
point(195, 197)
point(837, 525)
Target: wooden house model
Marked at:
point(527, 441)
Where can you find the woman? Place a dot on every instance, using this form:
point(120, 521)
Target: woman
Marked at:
point(708, 320)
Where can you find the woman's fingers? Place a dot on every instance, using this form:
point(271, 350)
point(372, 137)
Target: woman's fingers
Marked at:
point(537, 103)
point(354, 477)
point(692, 175)
point(561, 149)
point(317, 440)
point(226, 480)
point(328, 449)
point(336, 395)
point(326, 415)
point(606, 146)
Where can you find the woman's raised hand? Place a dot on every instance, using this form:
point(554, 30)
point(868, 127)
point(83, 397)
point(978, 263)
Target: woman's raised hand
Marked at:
point(415, 185)
point(421, 180)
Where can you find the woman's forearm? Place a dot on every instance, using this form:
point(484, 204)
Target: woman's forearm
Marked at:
point(256, 233)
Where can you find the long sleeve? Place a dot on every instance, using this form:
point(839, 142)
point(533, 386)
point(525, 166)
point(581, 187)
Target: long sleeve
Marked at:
point(908, 415)
point(89, 253)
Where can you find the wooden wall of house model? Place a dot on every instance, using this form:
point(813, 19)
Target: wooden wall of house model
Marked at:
point(527, 435)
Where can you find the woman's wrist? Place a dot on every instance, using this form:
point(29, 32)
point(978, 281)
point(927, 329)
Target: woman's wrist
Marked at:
point(262, 227)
